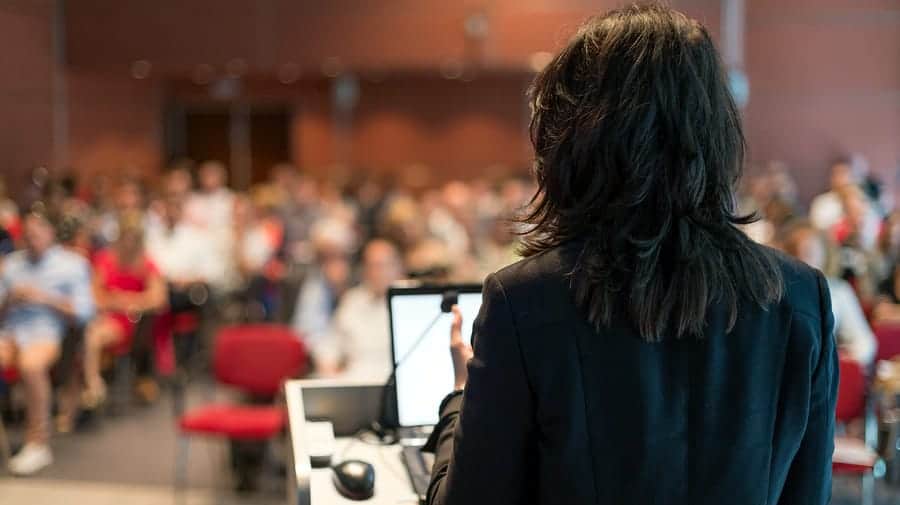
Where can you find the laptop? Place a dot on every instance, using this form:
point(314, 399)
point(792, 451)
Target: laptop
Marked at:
point(423, 368)
point(350, 405)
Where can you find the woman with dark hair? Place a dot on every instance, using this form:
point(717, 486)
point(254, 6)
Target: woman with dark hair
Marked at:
point(645, 351)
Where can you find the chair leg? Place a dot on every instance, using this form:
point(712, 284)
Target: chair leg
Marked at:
point(181, 460)
point(5, 452)
point(122, 391)
point(179, 386)
point(868, 489)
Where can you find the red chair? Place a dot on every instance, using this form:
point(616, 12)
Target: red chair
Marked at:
point(255, 359)
point(853, 456)
point(888, 337)
point(9, 376)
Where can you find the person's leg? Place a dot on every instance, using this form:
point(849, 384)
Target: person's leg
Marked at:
point(7, 359)
point(34, 362)
point(7, 351)
point(101, 333)
point(36, 356)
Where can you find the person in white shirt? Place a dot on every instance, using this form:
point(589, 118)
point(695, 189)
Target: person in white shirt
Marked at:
point(212, 205)
point(211, 209)
point(852, 330)
point(358, 344)
point(827, 209)
point(178, 248)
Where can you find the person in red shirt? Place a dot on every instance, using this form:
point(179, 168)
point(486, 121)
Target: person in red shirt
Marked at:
point(127, 285)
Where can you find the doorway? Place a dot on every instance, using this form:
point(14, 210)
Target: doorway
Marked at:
point(248, 139)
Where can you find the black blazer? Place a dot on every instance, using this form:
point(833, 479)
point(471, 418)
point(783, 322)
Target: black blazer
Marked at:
point(556, 412)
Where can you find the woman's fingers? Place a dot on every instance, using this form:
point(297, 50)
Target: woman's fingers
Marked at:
point(459, 350)
point(456, 328)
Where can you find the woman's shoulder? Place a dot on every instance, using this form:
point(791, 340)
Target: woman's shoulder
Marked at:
point(803, 284)
point(536, 288)
point(547, 266)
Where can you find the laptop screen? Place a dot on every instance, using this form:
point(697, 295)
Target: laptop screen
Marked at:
point(425, 375)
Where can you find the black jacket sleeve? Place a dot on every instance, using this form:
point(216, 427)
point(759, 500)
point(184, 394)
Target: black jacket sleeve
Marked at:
point(809, 478)
point(485, 439)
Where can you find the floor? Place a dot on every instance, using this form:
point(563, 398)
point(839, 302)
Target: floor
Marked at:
point(129, 460)
point(846, 491)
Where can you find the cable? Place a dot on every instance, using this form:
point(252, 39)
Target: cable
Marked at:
point(449, 298)
point(416, 344)
point(380, 427)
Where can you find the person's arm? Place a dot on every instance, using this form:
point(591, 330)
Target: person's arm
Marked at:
point(77, 304)
point(809, 478)
point(151, 299)
point(311, 313)
point(329, 351)
point(103, 298)
point(82, 297)
point(484, 444)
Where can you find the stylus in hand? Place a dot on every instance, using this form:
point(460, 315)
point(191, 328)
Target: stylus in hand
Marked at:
point(459, 350)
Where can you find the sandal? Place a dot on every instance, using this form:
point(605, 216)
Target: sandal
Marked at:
point(93, 397)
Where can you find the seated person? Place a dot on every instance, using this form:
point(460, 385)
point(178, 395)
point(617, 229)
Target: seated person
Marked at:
point(358, 343)
point(827, 209)
point(179, 250)
point(258, 234)
point(126, 286)
point(854, 336)
point(887, 305)
point(43, 288)
point(325, 282)
point(857, 235)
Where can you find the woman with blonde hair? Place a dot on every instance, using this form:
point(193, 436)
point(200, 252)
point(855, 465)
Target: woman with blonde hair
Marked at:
point(127, 286)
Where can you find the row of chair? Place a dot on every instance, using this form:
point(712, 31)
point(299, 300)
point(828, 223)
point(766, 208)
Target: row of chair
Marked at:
point(855, 403)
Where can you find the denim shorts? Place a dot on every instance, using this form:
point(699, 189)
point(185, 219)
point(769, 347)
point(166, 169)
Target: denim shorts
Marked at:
point(23, 335)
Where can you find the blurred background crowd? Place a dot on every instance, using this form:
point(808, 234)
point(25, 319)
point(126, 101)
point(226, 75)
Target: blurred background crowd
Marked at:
point(849, 232)
point(148, 270)
point(184, 253)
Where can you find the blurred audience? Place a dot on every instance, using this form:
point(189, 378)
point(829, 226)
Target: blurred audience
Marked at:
point(320, 256)
point(854, 335)
point(355, 344)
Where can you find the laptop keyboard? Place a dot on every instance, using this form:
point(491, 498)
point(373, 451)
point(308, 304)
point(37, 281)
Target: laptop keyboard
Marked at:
point(418, 464)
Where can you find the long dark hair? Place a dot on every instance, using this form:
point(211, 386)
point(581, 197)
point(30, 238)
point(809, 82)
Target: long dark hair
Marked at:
point(639, 147)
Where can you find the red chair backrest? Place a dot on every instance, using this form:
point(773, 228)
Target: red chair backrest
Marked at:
point(851, 400)
point(257, 358)
point(888, 336)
